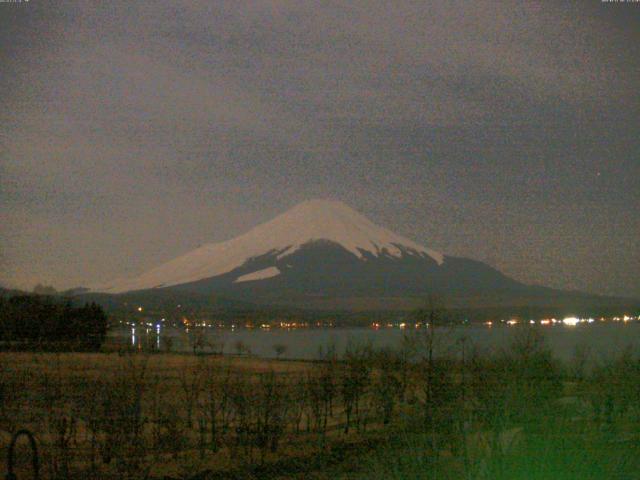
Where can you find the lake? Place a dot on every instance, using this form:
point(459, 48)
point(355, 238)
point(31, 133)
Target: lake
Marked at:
point(602, 339)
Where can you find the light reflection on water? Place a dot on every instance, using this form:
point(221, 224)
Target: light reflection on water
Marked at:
point(602, 340)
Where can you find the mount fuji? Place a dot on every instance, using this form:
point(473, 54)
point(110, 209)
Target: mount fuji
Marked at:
point(324, 254)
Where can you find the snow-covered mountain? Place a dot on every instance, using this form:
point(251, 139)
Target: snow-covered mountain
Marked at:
point(324, 255)
point(308, 222)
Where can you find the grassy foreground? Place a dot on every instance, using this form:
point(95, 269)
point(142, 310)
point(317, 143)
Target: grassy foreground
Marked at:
point(515, 414)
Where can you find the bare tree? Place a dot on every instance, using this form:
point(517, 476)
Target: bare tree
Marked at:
point(354, 380)
point(198, 340)
point(387, 385)
point(240, 347)
point(121, 417)
point(191, 384)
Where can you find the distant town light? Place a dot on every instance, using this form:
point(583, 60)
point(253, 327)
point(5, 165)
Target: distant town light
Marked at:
point(571, 321)
point(139, 309)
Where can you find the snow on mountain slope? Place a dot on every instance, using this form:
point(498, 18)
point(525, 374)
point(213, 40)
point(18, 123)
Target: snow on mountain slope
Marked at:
point(259, 275)
point(309, 221)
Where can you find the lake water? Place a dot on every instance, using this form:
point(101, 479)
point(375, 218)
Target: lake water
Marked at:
point(603, 340)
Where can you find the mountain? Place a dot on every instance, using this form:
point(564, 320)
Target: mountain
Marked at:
point(324, 254)
point(307, 223)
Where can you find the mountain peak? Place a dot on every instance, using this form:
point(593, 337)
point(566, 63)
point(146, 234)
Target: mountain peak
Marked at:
point(319, 213)
point(309, 221)
point(337, 222)
point(323, 210)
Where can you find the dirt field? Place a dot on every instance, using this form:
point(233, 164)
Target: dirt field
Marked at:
point(373, 414)
point(128, 416)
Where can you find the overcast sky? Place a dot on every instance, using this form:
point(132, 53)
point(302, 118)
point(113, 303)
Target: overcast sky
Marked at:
point(132, 132)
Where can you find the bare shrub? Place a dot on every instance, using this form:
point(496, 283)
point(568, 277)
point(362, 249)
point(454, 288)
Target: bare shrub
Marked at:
point(533, 373)
point(120, 417)
point(198, 340)
point(354, 380)
point(12, 382)
point(172, 429)
point(279, 349)
point(321, 384)
point(242, 401)
point(216, 404)
point(614, 388)
point(272, 403)
point(299, 393)
point(191, 380)
point(241, 348)
point(387, 385)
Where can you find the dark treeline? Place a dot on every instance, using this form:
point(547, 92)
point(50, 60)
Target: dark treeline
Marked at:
point(43, 322)
point(174, 306)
